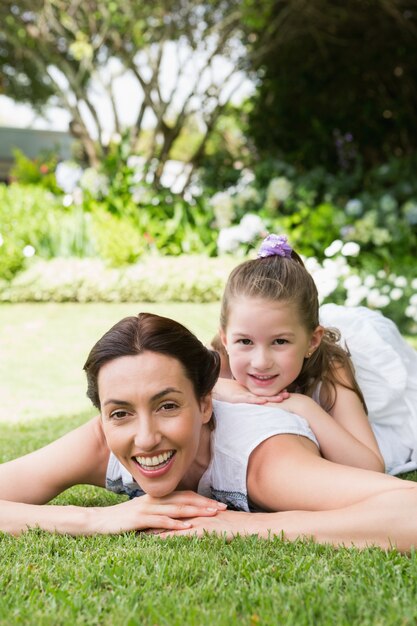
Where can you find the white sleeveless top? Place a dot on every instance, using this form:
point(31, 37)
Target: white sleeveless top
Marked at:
point(239, 429)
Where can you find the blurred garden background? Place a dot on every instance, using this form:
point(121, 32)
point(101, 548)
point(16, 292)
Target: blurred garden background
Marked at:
point(176, 135)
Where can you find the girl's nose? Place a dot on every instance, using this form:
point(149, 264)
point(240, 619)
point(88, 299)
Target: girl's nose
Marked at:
point(147, 435)
point(261, 359)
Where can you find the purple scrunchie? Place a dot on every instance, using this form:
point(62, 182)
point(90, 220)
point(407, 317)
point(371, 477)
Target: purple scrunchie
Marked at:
point(275, 245)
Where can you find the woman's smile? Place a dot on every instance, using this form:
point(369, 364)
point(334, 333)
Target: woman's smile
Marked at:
point(156, 465)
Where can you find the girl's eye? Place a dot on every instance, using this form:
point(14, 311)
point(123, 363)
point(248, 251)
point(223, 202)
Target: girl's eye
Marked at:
point(118, 415)
point(244, 342)
point(280, 342)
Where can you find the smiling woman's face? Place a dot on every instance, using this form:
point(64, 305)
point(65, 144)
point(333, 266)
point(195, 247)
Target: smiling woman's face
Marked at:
point(151, 418)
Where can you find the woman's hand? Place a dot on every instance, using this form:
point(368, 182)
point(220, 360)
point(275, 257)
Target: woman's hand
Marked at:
point(229, 390)
point(147, 512)
point(227, 524)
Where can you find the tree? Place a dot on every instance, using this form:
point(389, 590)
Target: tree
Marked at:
point(339, 80)
point(73, 53)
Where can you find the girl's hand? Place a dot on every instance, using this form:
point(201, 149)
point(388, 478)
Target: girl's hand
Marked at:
point(146, 512)
point(229, 390)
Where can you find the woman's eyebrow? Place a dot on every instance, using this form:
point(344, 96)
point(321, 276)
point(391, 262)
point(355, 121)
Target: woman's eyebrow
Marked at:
point(164, 392)
point(118, 402)
point(157, 396)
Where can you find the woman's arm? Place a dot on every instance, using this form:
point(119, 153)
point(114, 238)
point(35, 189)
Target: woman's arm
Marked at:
point(317, 499)
point(386, 520)
point(81, 457)
point(337, 442)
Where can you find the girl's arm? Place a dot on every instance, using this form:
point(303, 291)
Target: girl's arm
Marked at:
point(345, 435)
point(349, 412)
point(81, 457)
point(337, 441)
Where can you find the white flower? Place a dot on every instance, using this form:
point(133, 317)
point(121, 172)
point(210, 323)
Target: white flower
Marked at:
point(223, 208)
point(28, 251)
point(414, 283)
point(67, 175)
point(334, 247)
point(396, 293)
point(376, 299)
point(351, 248)
point(400, 281)
point(67, 200)
point(388, 203)
point(352, 282)
point(248, 194)
point(94, 182)
point(381, 274)
point(410, 212)
point(279, 190)
point(250, 227)
point(1, 240)
point(411, 311)
point(357, 295)
point(137, 164)
point(228, 239)
point(413, 299)
point(369, 280)
point(354, 207)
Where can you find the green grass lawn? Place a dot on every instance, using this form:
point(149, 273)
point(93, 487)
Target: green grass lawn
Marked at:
point(131, 579)
point(139, 580)
point(43, 348)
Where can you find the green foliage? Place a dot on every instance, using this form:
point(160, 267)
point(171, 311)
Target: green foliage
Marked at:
point(323, 97)
point(130, 218)
point(39, 171)
point(34, 222)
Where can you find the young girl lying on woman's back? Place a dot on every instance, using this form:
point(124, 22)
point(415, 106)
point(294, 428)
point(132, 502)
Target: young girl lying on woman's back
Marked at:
point(272, 341)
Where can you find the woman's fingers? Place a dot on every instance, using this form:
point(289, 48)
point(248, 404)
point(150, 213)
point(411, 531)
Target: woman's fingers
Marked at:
point(161, 523)
point(189, 498)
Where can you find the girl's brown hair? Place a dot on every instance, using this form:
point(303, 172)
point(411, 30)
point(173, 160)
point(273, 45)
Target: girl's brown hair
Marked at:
point(286, 279)
point(147, 332)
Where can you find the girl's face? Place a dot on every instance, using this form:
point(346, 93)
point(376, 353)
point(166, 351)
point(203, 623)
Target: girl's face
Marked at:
point(151, 418)
point(267, 344)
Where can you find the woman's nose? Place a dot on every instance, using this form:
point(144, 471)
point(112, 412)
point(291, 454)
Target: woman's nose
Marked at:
point(147, 435)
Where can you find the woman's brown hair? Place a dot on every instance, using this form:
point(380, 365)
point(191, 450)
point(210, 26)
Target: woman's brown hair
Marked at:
point(147, 332)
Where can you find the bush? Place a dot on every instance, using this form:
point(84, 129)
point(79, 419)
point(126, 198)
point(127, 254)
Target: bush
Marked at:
point(32, 221)
point(156, 279)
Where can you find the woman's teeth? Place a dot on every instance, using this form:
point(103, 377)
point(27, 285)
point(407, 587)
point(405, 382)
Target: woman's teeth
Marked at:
point(150, 462)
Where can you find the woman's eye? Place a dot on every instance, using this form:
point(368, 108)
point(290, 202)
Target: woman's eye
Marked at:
point(169, 406)
point(118, 415)
point(280, 342)
point(244, 342)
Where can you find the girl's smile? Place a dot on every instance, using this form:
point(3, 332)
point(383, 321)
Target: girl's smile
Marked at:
point(266, 343)
point(154, 429)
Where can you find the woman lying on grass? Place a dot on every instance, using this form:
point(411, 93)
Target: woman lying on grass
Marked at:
point(152, 380)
